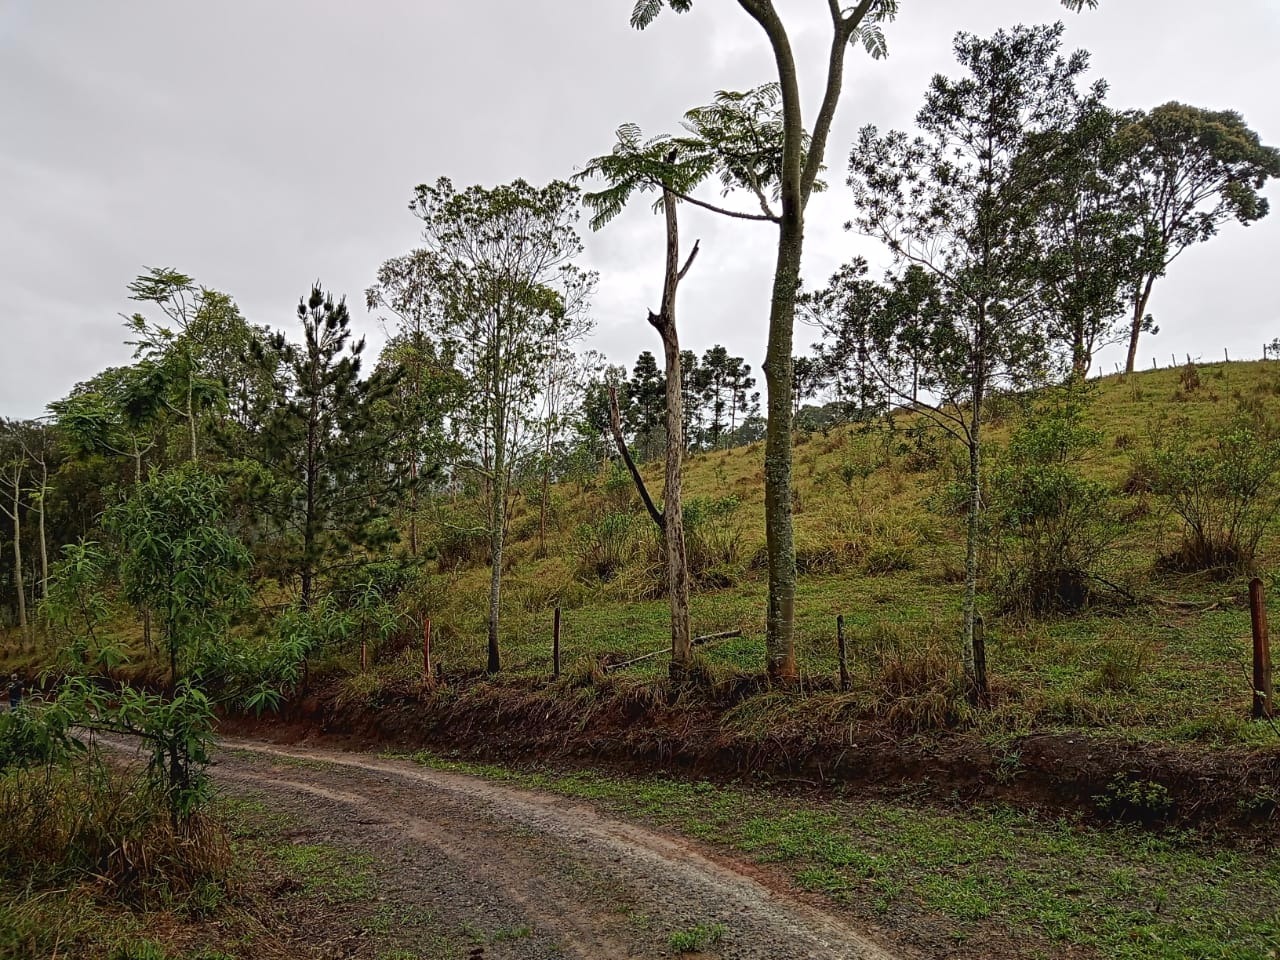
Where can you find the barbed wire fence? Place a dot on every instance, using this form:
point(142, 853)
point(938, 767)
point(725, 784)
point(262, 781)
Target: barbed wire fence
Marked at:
point(1270, 351)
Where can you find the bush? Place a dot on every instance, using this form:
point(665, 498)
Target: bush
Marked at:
point(93, 823)
point(713, 535)
point(1048, 526)
point(458, 536)
point(1225, 493)
point(605, 546)
point(27, 740)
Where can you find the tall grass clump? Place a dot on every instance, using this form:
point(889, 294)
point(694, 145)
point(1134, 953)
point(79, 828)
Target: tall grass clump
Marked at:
point(605, 545)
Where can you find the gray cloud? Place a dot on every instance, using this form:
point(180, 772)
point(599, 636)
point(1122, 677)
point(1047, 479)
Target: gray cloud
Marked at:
point(259, 146)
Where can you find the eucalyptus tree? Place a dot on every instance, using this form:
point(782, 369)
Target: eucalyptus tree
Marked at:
point(430, 387)
point(565, 380)
point(1088, 221)
point(760, 142)
point(14, 467)
point(952, 202)
point(1190, 170)
point(501, 263)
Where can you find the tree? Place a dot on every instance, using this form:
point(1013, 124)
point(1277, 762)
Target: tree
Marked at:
point(565, 378)
point(671, 518)
point(95, 419)
point(500, 261)
point(324, 476)
point(430, 387)
point(951, 202)
point(178, 558)
point(1088, 222)
point(174, 357)
point(13, 471)
point(764, 148)
point(845, 311)
point(646, 392)
point(1190, 170)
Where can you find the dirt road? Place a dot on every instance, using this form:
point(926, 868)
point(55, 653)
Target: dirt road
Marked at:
point(533, 875)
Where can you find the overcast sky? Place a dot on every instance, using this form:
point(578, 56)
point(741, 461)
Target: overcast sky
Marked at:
point(261, 145)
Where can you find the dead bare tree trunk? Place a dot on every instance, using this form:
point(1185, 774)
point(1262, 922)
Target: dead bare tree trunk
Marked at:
point(15, 515)
point(670, 519)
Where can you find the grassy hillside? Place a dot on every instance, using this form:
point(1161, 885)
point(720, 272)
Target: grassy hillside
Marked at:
point(877, 546)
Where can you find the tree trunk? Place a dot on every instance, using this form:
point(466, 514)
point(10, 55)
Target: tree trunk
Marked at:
point(44, 540)
point(546, 491)
point(191, 414)
point(497, 538)
point(673, 505)
point(971, 542)
point(413, 511)
point(673, 513)
point(1080, 354)
point(780, 650)
point(1139, 315)
point(18, 580)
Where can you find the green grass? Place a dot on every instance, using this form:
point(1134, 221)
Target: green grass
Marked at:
point(1045, 885)
point(1165, 668)
point(331, 873)
point(697, 938)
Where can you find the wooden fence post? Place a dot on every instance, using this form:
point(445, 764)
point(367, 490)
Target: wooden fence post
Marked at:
point(426, 651)
point(845, 685)
point(981, 691)
point(555, 647)
point(1261, 651)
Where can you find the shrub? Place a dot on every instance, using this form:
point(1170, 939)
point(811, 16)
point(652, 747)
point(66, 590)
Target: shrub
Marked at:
point(1129, 798)
point(713, 546)
point(1049, 527)
point(1189, 378)
point(95, 824)
point(459, 536)
point(1225, 493)
point(713, 535)
point(618, 488)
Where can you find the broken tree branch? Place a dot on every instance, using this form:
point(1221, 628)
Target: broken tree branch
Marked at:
point(615, 427)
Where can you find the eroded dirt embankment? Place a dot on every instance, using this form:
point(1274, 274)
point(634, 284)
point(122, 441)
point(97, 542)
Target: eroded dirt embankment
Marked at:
point(1234, 789)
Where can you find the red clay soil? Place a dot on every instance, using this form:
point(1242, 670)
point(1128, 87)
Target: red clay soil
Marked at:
point(1234, 790)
